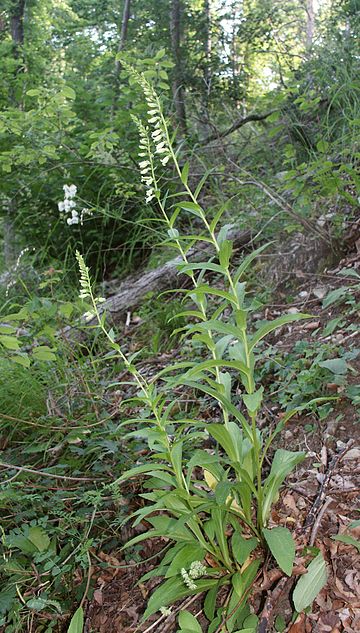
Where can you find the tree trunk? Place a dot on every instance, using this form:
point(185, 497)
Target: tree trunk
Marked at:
point(177, 82)
point(205, 34)
point(310, 23)
point(17, 25)
point(17, 36)
point(133, 289)
point(121, 46)
point(123, 34)
point(207, 47)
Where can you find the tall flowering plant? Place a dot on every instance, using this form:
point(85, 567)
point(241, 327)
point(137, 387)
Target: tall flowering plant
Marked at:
point(213, 506)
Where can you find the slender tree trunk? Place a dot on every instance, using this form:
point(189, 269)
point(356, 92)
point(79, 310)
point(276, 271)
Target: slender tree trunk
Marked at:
point(17, 36)
point(205, 34)
point(207, 46)
point(177, 82)
point(123, 33)
point(121, 46)
point(17, 25)
point(310, 24)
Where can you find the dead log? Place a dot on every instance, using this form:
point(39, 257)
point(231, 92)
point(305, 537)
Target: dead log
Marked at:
point(133, 289)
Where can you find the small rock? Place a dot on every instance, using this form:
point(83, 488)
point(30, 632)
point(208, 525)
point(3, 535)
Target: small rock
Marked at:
point(313, 325)
point(320, 292)
point(354, 453)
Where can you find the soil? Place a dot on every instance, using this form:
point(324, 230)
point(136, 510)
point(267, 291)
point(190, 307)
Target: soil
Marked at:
point(317, 502)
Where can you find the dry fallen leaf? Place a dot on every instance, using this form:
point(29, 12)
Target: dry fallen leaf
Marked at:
point(98, 596)
point(299, 624)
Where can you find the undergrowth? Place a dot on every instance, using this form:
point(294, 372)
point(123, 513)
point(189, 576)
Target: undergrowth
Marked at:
point(59, 405)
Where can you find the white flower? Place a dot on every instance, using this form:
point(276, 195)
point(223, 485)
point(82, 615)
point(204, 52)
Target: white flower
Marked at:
point(74, 218)
point(197, 569)
point(187, 580)
point(149, 195)
point(165, 611)
point(70, 191)
point(61, 206)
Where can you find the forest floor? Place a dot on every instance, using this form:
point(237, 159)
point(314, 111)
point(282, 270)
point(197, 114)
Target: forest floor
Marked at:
point(317, 502)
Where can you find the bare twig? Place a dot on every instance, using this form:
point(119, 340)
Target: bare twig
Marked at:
point(318, 520)
point(320, 499)
point(235, 126)
point(42, 474)
point(270, 603)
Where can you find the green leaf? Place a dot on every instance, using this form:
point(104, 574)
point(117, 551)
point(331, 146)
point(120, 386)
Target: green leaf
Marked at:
point(77, 621)
point(283, 463)
point(68, 92)
point(218, 214)
point(172, 590)
point(139, 470)
point(7, 329)
point(176, 459)
point(273, 325)
point(200, 186)
point(348, 539)
point(184, 268)
point(184, 558)
point(223, 437)
point(335, 365)
point(43, 352)
point(21, 359)
point(225, 253)
point(280, 624)
point(38, 537)
point(253, 401)
point(335, 295)
point(322, 146)
point(10, 342)
point(247, 261)
point(310, 584)
point(282, 547)
point(185, 173)
point(37, 604)
point(332, 325)
point(193, 208)
point(160, 54)
point(7, 598)
point(242, 547)
point(210, 603)
point(66, 309)
point(188, 621)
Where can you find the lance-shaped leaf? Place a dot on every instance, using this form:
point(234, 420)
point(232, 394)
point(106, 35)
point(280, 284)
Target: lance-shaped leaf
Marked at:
point(273, 325)
point(282, 547)
point(310, 584)
point(172, 590)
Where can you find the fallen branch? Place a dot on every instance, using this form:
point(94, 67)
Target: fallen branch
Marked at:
point(133, 289)
point(235, 126)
